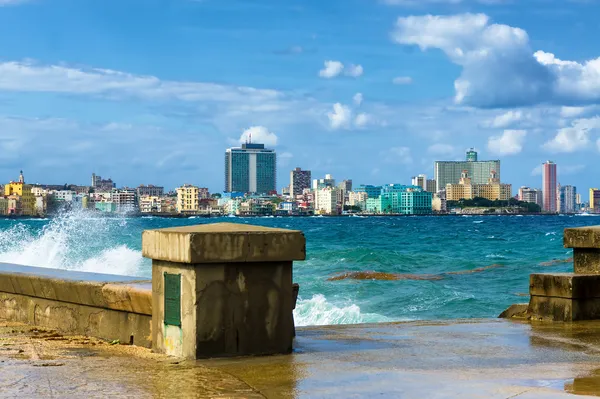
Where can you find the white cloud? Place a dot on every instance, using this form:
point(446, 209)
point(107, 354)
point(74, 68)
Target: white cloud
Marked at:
point(570, 112)
point(259, 134)
point(354, 70)
point(509, 143)
point(499, 68)
point(399, 155)
point(340, 117)
point(506, 119)
point(28, 77)
point(537, 171)
point(362, 120)
point(331, 70)
point(441, 149)
point(573, 138)
point(402, 80)
point(358, 99)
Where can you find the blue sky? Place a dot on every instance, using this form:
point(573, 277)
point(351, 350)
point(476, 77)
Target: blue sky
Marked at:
point(153, 91)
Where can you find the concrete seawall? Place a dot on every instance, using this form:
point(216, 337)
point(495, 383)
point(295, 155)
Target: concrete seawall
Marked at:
point(101, 305)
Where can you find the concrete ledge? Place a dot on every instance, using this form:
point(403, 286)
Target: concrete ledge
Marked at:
point(108, 291)
point(100, 305)
point(223, 243)
point(516, 311)
point(582, 237)
point(565, 285)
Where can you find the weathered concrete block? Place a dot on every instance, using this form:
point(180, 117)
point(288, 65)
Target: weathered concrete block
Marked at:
point(564, 296)
point(222, 289)
point(585, 242)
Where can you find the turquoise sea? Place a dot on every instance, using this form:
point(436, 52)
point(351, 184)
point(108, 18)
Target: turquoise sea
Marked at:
point(445, 267)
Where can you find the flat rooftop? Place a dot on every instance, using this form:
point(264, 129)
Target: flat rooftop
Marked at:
point(446, 359)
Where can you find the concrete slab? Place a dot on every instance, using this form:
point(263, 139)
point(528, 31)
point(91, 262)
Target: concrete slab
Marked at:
point(467, 359)
point(223, 243)
point(582, 237)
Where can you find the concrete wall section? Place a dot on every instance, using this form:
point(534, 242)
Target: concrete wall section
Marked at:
point(101, 305)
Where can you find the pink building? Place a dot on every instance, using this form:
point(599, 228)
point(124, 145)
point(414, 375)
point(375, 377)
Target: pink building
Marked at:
point(549, 186)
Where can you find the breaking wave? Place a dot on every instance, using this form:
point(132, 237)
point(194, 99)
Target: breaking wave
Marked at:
point(317, 311)
point(75, 240)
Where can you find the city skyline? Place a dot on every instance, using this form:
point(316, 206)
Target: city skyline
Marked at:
point(157, 99)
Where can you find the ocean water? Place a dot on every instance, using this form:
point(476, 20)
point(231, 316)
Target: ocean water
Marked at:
point(443, 267)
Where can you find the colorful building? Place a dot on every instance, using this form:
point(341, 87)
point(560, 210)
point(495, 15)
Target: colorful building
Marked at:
point(400, 199)
point(595, 200)
point(549, 186)
point(187, 198)
point(466, 189)
point(23, 200)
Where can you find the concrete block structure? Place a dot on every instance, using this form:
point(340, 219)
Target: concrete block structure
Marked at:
point(222, 289)
point(570, 296)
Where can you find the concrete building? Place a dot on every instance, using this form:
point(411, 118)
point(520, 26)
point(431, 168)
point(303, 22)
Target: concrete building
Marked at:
point(99, 184)
point(151, 204)
point(187, 198)
point(400, 199)
point(567, 199)
point(449, 172)
point(328, 181)
point(105, 206)
point(22, 198)
point(251, 169)
point(430, 186)
point(150, 191)
point(419, 181)
point(326, 201)
point(358, 198)
point(371, 191)
point(532, 195)
point(125, 199)
point(595, 200)
point(299, 181)
point(466, 189)
point(549, 186)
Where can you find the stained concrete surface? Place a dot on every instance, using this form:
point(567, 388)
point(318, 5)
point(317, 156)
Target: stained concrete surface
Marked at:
point(447, 359)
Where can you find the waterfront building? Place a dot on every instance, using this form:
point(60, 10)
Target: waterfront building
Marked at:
point(358, 198)
point(99, 184)
point(3, 206)
point(372, 191)
point(251, 169)
point(288, 207)
point(467, 189)
point(151, 204)
point(299, 181)
point(430, 186)
point(63, 195)
point(549, 186)
point(438, 204)
point(328, 181)
point(449, 172)
point(125, 199)
point(532, 195)
point(22, 198)
point(401, 199)
point(187, 198)
point(326, 201)
point(420, 181)
point(595, 200)
point(203, 193)
point(150, 191)
point(80, 189)
point(566, 197)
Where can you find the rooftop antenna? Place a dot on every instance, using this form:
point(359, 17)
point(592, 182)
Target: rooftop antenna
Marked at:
point(250, 138)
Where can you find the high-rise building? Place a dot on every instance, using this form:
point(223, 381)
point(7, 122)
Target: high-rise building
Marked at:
point(328, 181)
point(420, 181)
point(567, 201)
point(549, 186)
point(326, 200)
point(250, 169)
point(430, 186)
point(125, 199)
point(372, 191)
point(449, 172)
point(299, 180)
point(595, 200)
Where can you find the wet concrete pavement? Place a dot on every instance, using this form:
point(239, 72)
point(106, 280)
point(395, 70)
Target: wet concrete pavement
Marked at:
point(454, 359)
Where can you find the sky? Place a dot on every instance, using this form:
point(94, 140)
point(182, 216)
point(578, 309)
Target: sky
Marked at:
point(154, 91)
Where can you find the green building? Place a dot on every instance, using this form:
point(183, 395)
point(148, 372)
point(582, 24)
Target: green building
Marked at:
point(108, 207)
point(400, 199)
